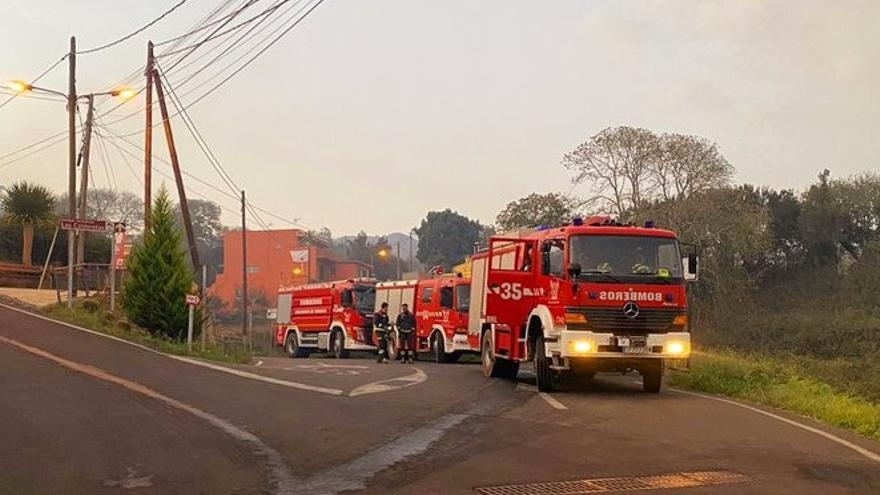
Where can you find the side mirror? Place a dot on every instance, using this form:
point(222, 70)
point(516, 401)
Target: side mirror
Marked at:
point(692, 267)
point(574, 270)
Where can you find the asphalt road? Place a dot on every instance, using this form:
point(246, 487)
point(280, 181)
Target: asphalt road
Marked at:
point(81, 413)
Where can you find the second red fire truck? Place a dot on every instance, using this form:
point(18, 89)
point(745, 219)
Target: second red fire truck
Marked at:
point(441, 306)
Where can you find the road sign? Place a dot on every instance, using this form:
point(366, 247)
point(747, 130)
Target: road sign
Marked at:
point(84, 224)
point(192, 299)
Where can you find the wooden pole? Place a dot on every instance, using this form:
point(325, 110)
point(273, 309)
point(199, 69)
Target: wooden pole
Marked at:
point(71, 158)
point(178, 178)
point(148, 140)
point(84, 180)
point(48, 256)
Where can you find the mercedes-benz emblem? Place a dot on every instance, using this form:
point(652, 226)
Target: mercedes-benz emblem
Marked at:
point(631, 310)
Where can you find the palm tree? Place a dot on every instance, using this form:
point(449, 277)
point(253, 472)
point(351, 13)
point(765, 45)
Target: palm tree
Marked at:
point(27, 205)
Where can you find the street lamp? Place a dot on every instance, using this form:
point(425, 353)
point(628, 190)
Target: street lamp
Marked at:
point(125, 93)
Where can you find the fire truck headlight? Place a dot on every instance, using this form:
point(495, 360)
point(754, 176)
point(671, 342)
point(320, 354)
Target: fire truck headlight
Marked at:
point(676, 347)
point(583, 346)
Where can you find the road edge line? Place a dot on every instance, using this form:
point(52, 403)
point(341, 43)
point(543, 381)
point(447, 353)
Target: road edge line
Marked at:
point(196, 362)
point(868, 454)
point(284, 480)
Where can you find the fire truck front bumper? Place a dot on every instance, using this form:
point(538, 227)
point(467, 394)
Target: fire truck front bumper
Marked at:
point(583, 344)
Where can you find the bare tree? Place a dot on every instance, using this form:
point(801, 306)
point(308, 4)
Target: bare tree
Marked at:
point(686, 165)
point(617, 164)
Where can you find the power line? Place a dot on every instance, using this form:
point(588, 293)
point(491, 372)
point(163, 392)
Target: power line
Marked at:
point(205, 183)
point(234, 28)
point(135, 32)
point(195, 30)
point(237, 70)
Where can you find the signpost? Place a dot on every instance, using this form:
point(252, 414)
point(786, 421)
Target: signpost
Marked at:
point(117, 246)
point(83, 224)
point(192, 300)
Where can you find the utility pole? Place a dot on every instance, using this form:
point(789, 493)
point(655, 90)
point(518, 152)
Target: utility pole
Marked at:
point(71, 158)
point(148, 140)
point(175, 164)
point(84, 180)
point(244, 272)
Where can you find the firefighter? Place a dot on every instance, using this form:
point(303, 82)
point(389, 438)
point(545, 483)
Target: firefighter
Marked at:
point(382, 326)
point(406, 329)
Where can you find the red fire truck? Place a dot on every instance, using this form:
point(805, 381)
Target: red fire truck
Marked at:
point(336, 317)
point(440, 305)
point(587, 297)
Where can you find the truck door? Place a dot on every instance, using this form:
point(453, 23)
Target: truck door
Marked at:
point(512, 288)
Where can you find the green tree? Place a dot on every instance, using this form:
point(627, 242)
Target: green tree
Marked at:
point(536, 209)
point(27, 205)
point(159, 277)
point(446, 238)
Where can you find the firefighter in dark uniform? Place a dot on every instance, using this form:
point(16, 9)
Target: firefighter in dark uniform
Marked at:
point(382, 325)
point(406, 329)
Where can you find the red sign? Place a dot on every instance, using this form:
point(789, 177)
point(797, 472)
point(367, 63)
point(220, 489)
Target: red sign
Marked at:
point(84, 224)
point(192, 299)
point(123, 249)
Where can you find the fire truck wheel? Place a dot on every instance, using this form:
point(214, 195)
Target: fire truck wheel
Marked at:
point(438, 348)
point(293, 348)
point(337, 345)
point(492, 367)
point(652, 377)
point(545, 376)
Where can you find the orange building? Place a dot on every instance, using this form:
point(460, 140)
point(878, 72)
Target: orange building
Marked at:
point(277, 257)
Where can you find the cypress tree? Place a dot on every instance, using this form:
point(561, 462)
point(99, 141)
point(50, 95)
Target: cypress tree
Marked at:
point(159, 277)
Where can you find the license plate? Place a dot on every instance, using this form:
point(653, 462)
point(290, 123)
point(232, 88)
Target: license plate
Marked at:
point(632, 345)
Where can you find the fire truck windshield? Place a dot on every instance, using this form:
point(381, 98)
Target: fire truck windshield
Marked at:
point(626, 258)
point(365, 298)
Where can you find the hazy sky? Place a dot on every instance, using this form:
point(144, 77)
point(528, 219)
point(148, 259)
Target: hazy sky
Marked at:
point(373, 112)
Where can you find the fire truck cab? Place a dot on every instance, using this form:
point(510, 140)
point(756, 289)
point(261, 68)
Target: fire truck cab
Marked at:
point(440, 305)
point(334, 316)
point(591, 296)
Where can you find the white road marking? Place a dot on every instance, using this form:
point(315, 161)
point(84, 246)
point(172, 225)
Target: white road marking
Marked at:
point(834, 438)
point(279, 475)
point(549, 399)
point(259, 378)
point(259, 363)
point(195, 362)
point(390, 384)
point(552, 401)
point(325, 365)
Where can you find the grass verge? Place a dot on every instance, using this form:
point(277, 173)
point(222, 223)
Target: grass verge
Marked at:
point(783, 383)
point(100, 320)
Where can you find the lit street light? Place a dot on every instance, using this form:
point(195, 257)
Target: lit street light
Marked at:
point(125, 93)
